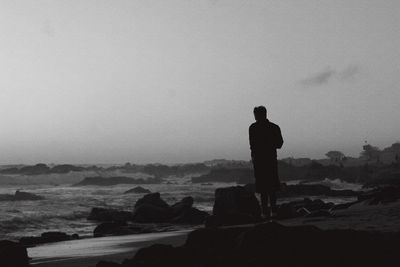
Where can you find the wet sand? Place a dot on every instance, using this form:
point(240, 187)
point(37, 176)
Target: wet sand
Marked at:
point(87, 252)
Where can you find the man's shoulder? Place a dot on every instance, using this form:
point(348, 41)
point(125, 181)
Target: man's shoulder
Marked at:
point(253, 125)
point(274, 125)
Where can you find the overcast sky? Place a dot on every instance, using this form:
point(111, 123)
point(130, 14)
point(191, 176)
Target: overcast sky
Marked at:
point(176, 81)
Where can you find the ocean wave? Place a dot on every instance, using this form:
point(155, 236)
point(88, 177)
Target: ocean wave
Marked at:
point(26, 220)
point(338, 184)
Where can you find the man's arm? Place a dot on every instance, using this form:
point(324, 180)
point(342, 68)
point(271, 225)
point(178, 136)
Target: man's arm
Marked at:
point(279, 139)
point(251, 141)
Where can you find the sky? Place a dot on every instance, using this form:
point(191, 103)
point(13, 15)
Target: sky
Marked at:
point(176, 81)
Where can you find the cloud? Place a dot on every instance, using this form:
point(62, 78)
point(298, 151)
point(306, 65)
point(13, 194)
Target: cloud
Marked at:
point(349, 73)
point(323, 77)
point(319, 78)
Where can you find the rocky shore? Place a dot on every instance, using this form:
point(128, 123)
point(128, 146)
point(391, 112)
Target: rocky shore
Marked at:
point(372, 218)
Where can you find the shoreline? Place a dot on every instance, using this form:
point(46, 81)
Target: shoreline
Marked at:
point(88, 251)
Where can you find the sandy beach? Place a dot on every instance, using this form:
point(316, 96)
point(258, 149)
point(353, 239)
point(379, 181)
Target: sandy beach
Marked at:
point(87, 252)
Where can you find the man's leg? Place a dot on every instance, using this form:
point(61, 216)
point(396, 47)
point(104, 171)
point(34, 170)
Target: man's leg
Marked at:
point(272, 201)
point(264, 204)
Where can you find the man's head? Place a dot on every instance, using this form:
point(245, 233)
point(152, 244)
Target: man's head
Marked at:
point(260, 113)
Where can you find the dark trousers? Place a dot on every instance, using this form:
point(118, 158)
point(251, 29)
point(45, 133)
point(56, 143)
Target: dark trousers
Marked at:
point(270, 198)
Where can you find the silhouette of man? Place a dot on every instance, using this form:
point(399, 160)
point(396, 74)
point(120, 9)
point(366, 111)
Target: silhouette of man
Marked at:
point(265, 137)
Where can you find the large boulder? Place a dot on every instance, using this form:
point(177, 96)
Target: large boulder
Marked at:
point(13, 254)
point(185, 204)
point(190, 216)
point(147, 213)
point(153, 199)
point(235, 204)
point(151, 209)
point(109, 215)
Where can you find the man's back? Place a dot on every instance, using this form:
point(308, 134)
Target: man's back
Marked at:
point(265, 138)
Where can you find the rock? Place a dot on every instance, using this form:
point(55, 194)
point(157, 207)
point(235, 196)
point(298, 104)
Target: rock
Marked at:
point(185, 204)
point(272, 244)
point(303, 207)
point(108, 215)
point(381, 195)
point(235, 203)
point(47, 237)
point(110, 228)
point(152, 209)
point(190, 216)
point(13, 254)
point(20, 196)
point(148, 213)
point(138, 190)
point(153, 199)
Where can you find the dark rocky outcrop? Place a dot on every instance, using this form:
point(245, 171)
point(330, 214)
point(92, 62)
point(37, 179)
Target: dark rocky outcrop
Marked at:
point(108, 181)
point(234, 205)
point(109, 215)
point(305, 207)
point(149, 210)
point(120, 228)
point(138, 190)
point(272, 244)
point(147, 213)
point(152, 209)
point(153, 199)
point(47, 237)
point(179, 207)
point(381, 195)
point(13, 254)
point(20, 196)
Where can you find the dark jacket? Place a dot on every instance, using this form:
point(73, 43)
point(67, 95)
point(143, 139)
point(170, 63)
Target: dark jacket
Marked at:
point(265, 137)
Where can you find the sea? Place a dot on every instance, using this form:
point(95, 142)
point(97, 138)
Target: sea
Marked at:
point(65, 207)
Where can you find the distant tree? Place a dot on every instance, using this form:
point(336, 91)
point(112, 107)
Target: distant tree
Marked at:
point(335, 156)
point(371, 153)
